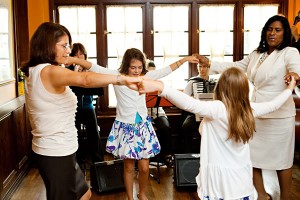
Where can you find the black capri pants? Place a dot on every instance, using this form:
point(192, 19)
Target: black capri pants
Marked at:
point(62, 176)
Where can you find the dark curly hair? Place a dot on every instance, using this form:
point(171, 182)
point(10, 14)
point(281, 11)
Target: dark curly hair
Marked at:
point(287, 35)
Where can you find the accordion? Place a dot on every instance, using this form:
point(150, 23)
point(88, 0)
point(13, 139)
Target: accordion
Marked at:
point(203, 86)
point(203, 90)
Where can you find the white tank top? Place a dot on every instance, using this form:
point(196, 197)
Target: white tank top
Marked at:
point(52, 117)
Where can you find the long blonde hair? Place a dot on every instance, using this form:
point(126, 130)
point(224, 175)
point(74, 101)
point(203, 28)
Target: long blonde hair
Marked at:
point(233, 90)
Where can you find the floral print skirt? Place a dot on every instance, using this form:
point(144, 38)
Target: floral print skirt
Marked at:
point(133, 141)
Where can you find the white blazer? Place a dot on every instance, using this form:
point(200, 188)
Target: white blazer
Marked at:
point(268, 80)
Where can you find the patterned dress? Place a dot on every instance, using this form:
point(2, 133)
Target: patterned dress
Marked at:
point(132, 135)
point(133, 141)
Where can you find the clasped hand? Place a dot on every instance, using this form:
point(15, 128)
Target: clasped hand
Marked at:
point(146, 85)
point(288, 77)
point(143, 84)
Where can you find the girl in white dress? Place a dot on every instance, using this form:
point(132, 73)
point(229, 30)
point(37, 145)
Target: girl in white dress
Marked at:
point(272, 147)
point(228, 125)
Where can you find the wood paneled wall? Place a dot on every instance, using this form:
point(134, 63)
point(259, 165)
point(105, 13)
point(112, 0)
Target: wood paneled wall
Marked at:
point(15, 143)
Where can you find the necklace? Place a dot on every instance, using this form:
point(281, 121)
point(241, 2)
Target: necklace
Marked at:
point(260, 61)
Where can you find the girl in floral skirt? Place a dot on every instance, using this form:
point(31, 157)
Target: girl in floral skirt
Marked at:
point(132, 136)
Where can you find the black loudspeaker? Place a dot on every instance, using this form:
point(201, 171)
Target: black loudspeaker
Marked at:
point(107, 175)
point(186, 169)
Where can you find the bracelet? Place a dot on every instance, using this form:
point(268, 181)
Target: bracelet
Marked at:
point(118, 79)
point(179, 63)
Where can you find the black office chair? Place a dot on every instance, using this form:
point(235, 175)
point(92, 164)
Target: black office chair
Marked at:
point(157, 162)
point(154, 101)
point(163, 134)
point(83, 149)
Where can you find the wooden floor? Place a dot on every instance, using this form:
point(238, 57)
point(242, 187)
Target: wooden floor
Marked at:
point(33, 188)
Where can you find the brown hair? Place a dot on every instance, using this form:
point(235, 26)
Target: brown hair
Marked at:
point(43, 45)
point(130, 54)
point(78, 47)
point(233, 90)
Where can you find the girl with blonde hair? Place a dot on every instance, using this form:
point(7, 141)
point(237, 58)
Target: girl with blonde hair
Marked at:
point(228, 125)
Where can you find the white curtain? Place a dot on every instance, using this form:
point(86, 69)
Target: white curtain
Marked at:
point(217, 22)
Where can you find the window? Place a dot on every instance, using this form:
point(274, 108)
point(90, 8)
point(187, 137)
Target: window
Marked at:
point(216, 31)
point(124, 30)
point(75, 19)
point(6, 42)
point(171, 40)
point(253, 24)
point(167, 31)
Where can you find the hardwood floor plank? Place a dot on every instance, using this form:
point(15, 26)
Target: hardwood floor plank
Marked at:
point(32, 187)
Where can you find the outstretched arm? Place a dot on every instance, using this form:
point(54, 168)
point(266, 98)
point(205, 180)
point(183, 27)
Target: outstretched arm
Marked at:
point(55, 78)
point(181, 100)
point(78, 61)
point(219, 67)
point(264, 108)
point(177, 64)
point(87, 65)
point(160, 73)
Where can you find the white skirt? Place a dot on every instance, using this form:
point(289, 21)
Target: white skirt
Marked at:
point(272, 146)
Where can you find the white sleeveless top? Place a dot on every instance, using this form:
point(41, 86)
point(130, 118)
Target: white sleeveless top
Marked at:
point(52, 117)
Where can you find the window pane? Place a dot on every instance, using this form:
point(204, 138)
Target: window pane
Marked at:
point(124, 16)
point(6, 42)
point(253, 23)
point(119, 42)
point(216, 31)
point(124, 30)
point(75, 19)
point(113, 63)
point(171, 40)
point(176, 79)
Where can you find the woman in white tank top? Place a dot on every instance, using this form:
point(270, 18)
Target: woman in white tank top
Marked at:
point(51, 106)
